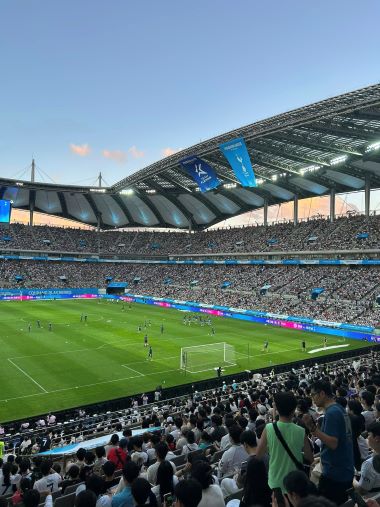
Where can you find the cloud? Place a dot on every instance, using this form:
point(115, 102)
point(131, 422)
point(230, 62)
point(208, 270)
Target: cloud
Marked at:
point(83, 150)
point(116, 155)
point(166, 152)
point(135, 153)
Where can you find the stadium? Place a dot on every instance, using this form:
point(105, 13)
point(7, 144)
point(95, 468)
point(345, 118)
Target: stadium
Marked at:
point(147, 309)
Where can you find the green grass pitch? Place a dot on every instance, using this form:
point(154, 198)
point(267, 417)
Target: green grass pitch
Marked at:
point(79, 363)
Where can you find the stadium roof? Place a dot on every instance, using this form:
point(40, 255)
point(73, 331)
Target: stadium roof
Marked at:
point(332, 144)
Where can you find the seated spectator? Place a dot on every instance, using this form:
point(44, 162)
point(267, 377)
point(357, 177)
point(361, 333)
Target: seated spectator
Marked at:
point(124, 498)
point(161, 454)
point(191, 445)
point(137, 454)
point(256, 490)
point(367, 399)
point(235, 455)
point(50, 480)
point(96, 484)
point(5, 479)
point(370, 470)
point(23, 486)
point(72, 477)
point(298, 486)
point(32, 498)
point(212, 495)
point(109, 479)
point(188, 493)
point(85, 498)
point(100, 453)
point(231, 485)
point(166, 480)
point(142, 493)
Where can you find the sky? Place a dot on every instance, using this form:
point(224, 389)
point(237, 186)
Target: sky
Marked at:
point(112, 86)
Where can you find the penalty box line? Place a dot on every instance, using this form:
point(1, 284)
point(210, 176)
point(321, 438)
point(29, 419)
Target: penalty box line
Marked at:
point(139, 374)
point(28, 376)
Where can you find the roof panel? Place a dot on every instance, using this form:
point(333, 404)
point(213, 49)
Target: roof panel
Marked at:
point(111, 213)
point(169, 212)
point(140, 212)
point(201, 214)
point(48, 202)
point(79, 208)
point(222, 202)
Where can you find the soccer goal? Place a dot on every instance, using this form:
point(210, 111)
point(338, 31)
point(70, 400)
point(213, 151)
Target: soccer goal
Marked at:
point(207, 357)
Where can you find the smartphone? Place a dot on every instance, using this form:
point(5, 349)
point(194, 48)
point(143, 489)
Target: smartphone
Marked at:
point(243, 468)
point(280, 497)
point(358, 499)
point(168, 499)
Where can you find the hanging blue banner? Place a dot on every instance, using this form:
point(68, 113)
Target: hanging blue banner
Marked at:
point(201, 172)
point(237, 155)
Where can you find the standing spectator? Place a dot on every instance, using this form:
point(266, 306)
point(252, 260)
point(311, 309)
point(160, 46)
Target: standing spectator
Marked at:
point(336, 437)
point(118, 455)
point(280, 461)
point(112, 444)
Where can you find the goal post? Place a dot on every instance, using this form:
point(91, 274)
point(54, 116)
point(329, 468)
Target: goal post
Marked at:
point(207, 357)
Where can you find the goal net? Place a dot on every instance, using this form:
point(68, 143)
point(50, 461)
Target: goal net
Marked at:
point(207, 357)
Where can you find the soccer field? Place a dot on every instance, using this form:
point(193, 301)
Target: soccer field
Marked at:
point(78, 363)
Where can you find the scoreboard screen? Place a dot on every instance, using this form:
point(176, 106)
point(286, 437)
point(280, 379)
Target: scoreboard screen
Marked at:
point(5, 211)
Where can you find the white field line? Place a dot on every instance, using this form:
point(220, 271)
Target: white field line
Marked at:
point(27, 375)
point(88, 385)
point(129, 368)
point(328, 348)
point(126, 343)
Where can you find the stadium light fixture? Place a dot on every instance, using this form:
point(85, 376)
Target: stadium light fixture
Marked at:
point(274, 177)
point(150, 191)
point(19, 183)
point(373, 147)
point(338, 160)
point(260, 181)
point(127, 191)
point(98, 190)
point(230, 185)
point(309, 169)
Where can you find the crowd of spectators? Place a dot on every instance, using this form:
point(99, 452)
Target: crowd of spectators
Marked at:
point(315, 234)
point(349, 291)
point(305, 437)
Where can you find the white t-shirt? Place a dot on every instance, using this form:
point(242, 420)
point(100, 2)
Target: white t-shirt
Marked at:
point(49, 482)
point(212, 497)
point(369, 478)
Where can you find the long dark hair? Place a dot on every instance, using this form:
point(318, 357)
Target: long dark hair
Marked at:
point(256, 490)
point(7, 467)
point(165, 478)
